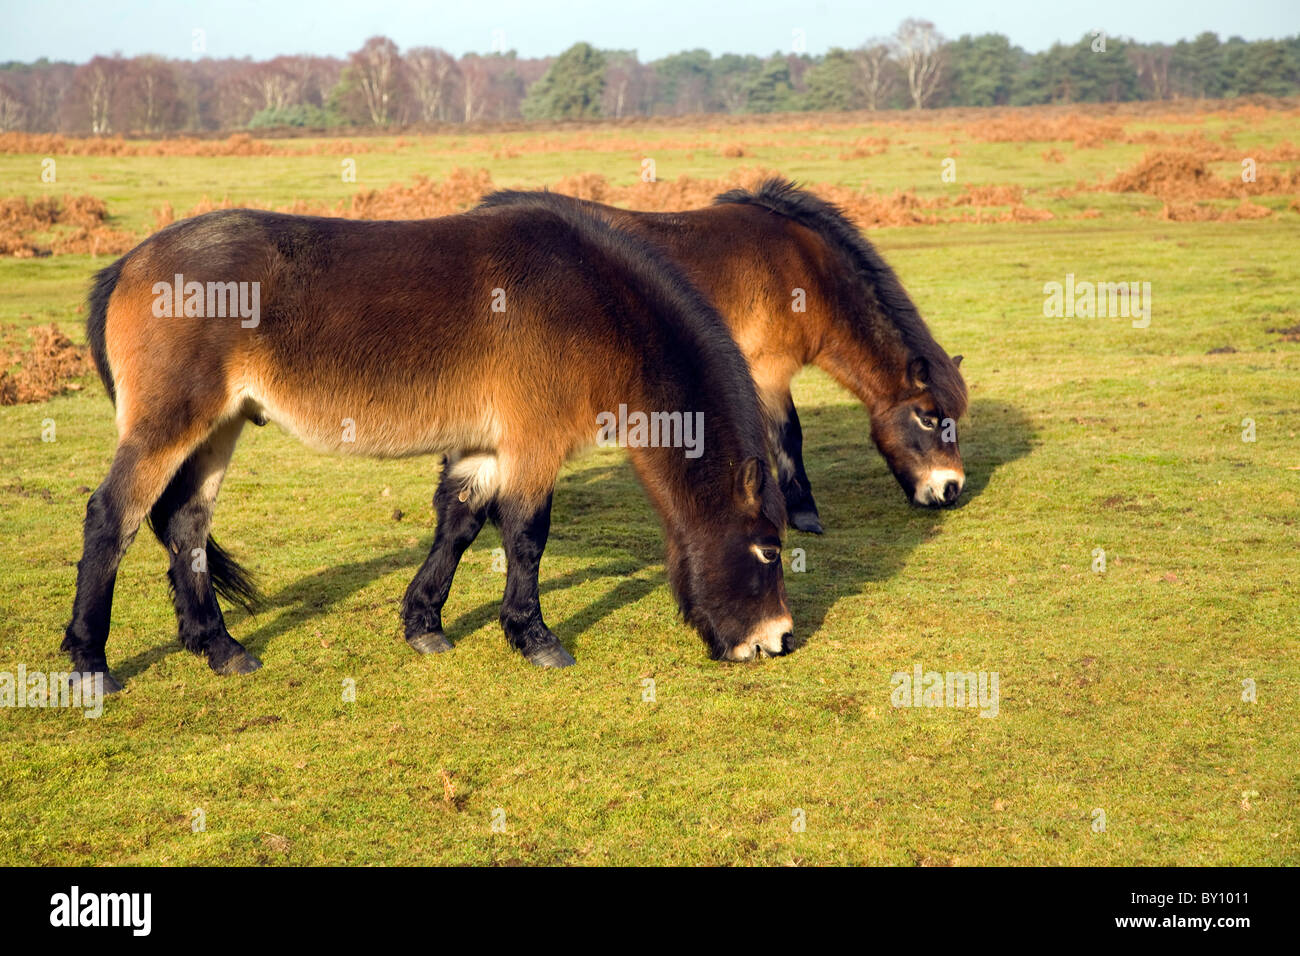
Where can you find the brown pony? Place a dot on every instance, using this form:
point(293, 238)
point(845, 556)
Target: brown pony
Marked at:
point(498, 338)
point(798, 284)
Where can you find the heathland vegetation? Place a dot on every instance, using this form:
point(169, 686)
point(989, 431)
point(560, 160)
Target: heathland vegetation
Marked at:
point(1123, 558)
point(380, 85)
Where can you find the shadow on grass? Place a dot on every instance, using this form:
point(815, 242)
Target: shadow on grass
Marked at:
point(317, 595)
point(871, 527)
point(870, 532)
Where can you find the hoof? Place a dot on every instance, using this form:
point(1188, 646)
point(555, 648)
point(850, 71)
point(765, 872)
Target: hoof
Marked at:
point(431, 643)
point(111, 684)
point(241, 662)
point(806, 521)
point(550, 655)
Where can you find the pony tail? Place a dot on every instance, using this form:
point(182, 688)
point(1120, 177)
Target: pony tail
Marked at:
point(97, 318)
point(232, 580)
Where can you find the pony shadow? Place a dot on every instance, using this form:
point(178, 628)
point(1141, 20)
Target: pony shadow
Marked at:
point(870, 532)
point(128, 668)
point(996, 434)
point(318, 595)
point(871, 527)
point(307, 598)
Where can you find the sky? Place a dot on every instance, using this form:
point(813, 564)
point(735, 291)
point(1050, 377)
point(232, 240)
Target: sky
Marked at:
point(79, 29)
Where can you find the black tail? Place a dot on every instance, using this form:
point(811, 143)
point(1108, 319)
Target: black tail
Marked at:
point(230, 579)
point(100, 291)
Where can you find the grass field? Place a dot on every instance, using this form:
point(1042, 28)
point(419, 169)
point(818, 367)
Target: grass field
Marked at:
point(1121, 692)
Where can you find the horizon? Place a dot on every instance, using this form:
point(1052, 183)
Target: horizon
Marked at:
point(76, 31)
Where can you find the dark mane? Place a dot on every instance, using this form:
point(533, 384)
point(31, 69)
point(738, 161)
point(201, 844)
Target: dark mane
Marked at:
point(515, 197)
point(783, 197)
point(721, 369)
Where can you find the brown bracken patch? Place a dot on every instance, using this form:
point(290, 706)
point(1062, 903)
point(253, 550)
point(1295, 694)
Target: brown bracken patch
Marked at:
point(1176, 175)
point(77, 225)
point(1204, 212)
point(1170, 174)
point(50, 367)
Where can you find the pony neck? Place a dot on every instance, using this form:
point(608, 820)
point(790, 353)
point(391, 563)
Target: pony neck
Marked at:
point(861, 348)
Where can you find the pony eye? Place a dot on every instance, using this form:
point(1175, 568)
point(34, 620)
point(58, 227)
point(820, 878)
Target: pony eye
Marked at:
point(928, 422)
point(767, 553)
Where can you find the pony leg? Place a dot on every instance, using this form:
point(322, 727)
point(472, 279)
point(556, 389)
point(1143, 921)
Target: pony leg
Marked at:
point(799, 504)
point(137, 477)
point(182, 519)
point(524, 529)
point(458, 526)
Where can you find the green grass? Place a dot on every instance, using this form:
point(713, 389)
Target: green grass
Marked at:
point(1120, 691)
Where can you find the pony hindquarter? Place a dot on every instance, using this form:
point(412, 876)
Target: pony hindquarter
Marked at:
point(168, 467)
point(495, 338)
point(798, 284)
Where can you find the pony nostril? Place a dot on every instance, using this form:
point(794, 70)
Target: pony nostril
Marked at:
point(950, 492)
point(787, 642)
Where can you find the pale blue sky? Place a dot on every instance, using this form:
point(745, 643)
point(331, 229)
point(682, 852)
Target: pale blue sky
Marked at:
point(78, 29)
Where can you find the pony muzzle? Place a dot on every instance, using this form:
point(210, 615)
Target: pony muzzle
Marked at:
point(772, 638)
point(940, 488)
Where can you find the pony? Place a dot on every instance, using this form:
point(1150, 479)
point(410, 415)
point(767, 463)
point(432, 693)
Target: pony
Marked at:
point(798, 284)
point(496, 338)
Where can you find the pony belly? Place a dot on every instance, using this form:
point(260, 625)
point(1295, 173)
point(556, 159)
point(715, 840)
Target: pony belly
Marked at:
point(376, 430)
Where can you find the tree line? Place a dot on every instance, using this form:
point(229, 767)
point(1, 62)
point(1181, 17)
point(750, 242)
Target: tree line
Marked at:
point(379, 85)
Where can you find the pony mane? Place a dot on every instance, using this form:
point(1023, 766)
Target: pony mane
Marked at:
point(828, 220)
point(722, 367)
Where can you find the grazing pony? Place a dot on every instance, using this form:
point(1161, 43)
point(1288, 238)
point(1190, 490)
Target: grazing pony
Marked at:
point(497, 338)
point(798, 284)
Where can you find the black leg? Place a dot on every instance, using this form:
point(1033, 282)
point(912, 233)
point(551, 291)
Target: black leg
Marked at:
point(182, 518)
point(458, 526)
point(799, 504)
point(113, 515)
point(523, 534)
point(106, 541)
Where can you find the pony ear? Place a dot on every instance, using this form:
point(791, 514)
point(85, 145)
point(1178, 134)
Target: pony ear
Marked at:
point(956, 360)
point(918, 373)
point(750, 477)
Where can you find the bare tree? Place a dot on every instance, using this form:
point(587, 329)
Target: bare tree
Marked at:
point(46, 85)
point(474, 81)
point(874, 72)
point(256, 87)
point(302, 76)
point(13, 111)
point(310, 78)
point(512, 79)
point(152, 102)
point(918, 47)
point(1151, 63)
point(377, 68)
point(202, 92)
point(620, 72)
point(430, 72)
point(94, 94)
point(733, 91)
